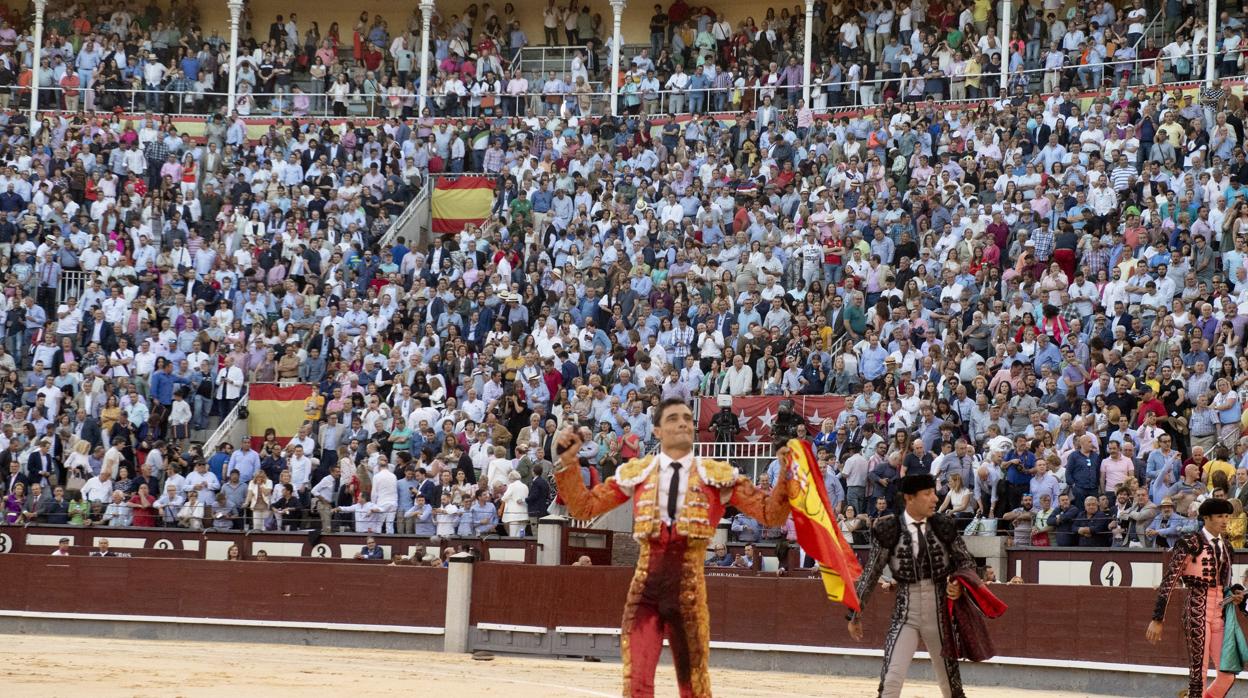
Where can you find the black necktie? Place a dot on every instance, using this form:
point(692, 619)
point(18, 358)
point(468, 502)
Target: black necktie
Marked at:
point(673, 491)
point(920, 544)
point(1217, 557)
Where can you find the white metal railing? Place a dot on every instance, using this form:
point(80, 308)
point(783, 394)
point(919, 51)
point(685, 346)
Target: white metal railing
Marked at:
point(751, 458)
point(416, 213)
point(560, 56)
point(72, 284)
point(858, 93)
point(1151, 30)
point(222, 432)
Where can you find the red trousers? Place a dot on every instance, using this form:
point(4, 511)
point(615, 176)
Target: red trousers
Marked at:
point(1066, 260)
point(667, 600)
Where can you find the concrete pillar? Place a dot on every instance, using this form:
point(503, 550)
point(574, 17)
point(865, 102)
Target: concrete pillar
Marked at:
point(550, 532)
point(1006, 6)
point(721, 533)
point(1211, 47)
point(40, 6)
point(426, 16)
point(808, 51)
point(236, 11)
point(617, 15)
point(457, 626)
point(993, 551)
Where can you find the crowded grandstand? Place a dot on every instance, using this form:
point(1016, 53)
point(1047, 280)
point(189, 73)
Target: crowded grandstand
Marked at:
point(1011, 237)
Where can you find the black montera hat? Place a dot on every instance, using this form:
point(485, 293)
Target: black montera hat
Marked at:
point(1211, 507)
point(914, 484)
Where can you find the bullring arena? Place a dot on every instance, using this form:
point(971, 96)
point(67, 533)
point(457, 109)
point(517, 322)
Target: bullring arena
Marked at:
point(196, 669)
point(311, 618)
point(319, 323)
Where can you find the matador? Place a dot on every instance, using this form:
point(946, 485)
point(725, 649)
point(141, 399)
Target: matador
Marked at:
point(1201, 561)
point(678, 500)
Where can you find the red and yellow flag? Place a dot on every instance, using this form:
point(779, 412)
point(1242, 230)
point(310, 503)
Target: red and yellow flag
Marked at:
point(459, 201)
point(278, 407)
point(817, 530)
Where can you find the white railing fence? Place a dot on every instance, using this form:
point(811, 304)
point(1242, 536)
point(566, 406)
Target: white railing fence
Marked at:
point(413, 222)
point(223, 431)
point(750, 458)
point(73, 283)
point(852, 95)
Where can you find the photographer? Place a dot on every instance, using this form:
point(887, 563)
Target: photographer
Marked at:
point(787, 423)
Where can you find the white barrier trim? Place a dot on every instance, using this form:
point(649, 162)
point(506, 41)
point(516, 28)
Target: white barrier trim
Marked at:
point(575, 630)
point(231, 622)
point(1010, 661)
point(535, 629)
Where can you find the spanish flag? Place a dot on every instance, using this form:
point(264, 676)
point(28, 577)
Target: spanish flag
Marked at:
point(817, 531)
point(270, 405)
point(460, 201)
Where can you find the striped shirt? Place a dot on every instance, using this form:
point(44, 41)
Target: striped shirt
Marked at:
point(1203, 422)
point(681, 339)
point(1121, 177)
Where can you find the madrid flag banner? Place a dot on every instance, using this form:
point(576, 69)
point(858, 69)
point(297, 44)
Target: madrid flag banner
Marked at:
point(460, 201)
point(817, 531)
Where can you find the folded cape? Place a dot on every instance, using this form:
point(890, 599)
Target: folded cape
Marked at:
point(967, 636)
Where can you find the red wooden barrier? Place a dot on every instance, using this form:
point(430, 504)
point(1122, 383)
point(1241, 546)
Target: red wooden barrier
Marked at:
point(314, 592)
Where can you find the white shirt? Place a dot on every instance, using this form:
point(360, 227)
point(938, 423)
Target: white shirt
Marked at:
point(447, 519)
point(97, 491)
point(207, 479)
point(230, 383)
point(912, 526)
point(385, 490)
point(301, 471)
point(1215, 542)
point(665, 482)
point(738, 380)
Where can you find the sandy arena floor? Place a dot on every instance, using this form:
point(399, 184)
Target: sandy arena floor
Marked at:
point(51, 667)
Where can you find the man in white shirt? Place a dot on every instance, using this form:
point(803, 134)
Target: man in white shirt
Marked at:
point(473, 406)
point(62, 548)
point(300, 466)
point(229, 386)
point(676, 85)
point(386, 493)
point(203, 481)
point(98, 491)
point(324, 495)
point(446, 517)
point(738, 379)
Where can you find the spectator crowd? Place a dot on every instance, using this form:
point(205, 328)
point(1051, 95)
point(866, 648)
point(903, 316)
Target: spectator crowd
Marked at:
point(122, 54)
point(1035, 296)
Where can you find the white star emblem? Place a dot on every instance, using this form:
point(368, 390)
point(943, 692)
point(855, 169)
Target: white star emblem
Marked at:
point(767, 418)
point(753, 437)
point(814, 418)
point(743, 419)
